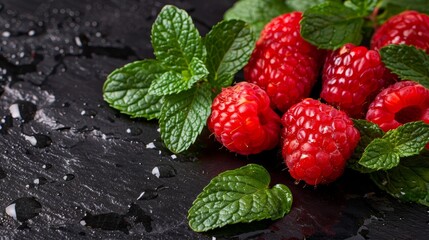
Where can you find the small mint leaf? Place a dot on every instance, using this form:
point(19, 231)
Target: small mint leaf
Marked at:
point(229, 45)
point(385, 153)
point(172, 82)
point(380, 154)
point(368, 132)
point(257, 13)
point(410, 138)
point(300, 5)
point(183, 117)
point(330, 25)
point(409, 181)
point(239, 196)
point(175, 39)
point(362, 6)
point(408, 62)
point(418, 5)
point(126, 89)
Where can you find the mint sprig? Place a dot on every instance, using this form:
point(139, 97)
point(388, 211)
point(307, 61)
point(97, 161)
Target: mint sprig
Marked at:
point(385, 153)
point(408, 62)
point(239, 196)
point(179, 86)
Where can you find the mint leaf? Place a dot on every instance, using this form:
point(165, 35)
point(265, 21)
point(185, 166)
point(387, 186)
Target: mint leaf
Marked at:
point(362, 6)
point(126, 89)
point(418, 5)
point(330, 25)
point(385, 153)
point(300, 5)
point(175, 39)
point(183, 117)
point(239, 196)
point(368, 132)
point(174, 82)
point(257, 13)
point(409, 181)
point(229, 45)
point(408, 62)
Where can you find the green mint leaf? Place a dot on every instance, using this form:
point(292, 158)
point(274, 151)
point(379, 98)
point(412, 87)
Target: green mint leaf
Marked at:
point(126, 89)
point(408, 62)
point(300, 5)
point(183, 117)
point(239, 196)
point(368, 132)
point(409, 181)
point(257, 13)
point(362, 6)
point(418, 5)
point(175, 39)
point(229, 45)
point(174, 82)
point(385, 153)
point(330, 25)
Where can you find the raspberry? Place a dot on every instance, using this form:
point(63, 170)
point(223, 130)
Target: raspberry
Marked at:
point(283, 63)
point(317, 141)
point(408, 27)
point(352, 76)
point(243, 121)
point(402, 102)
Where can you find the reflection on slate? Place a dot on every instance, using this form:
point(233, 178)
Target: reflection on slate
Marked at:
point(71, 167)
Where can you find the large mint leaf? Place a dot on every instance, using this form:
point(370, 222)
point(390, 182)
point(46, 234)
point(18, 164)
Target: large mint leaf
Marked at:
point(174, 82)
point(368, 132)
point(409, 181)
point(183, 117)
point(239, 196)
point(175, 39)
point(257, 13)
point(408, 62)
point(229, 45)
point(126, 89)
point(300, 5)
point(330, 25)
point(385, 153)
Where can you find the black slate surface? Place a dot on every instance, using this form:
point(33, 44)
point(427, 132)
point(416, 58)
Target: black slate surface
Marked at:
point(85, 177)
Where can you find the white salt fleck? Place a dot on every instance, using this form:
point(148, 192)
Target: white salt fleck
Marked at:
point(31, 139)
point(150, 145)
point(173, 156)
point(128, 130)
point(83, 222)
point(155, 171)
point(14, 111)
point(141, 195)
point(6, 34)
point(83, 112)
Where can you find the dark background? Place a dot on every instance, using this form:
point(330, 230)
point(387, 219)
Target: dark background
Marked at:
point(56, 55)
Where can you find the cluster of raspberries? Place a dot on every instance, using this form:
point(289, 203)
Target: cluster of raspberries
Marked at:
point(317, 137)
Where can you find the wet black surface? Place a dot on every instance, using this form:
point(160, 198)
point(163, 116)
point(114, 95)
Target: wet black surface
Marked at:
point(90, 178)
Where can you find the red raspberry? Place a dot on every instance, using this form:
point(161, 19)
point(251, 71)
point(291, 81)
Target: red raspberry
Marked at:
point(243, 121)
point(283, 63)
point(402, 102)
point(352, 77)
point(317, 141)
point(408, 27)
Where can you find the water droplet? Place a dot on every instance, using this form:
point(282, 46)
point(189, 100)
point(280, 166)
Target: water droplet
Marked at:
point(2, 173)
point(24, 208)
point(47, 166)
point(164, 171)
point(5, 123)
point(39, 140)
point(89, 112)
point(107, 221)
point(68, 177)
point(134, 131)
point(40, 181)
point(23, 110)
